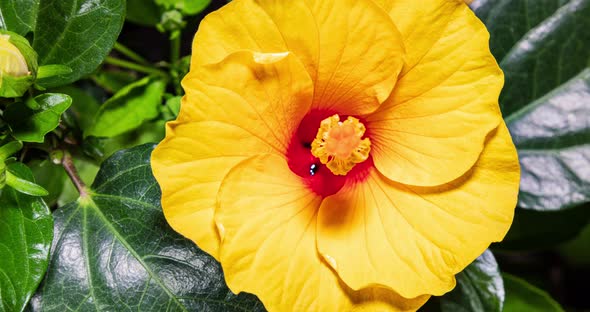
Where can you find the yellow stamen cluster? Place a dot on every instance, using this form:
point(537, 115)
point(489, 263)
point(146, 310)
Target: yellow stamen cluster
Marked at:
point(339, 144)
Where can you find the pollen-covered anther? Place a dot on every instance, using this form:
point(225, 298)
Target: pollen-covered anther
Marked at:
point(339, 144)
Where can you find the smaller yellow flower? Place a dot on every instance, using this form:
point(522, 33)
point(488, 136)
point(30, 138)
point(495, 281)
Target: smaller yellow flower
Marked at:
point(12, 61)
point(18, 64)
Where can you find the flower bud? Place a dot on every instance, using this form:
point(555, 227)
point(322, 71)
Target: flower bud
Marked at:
point(18, 65)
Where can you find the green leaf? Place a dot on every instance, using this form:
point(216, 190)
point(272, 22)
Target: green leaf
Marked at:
point(522, 296)
point(84, 106)
point(479, 287)
point(129, 108)
point(509, 21)
point(19, 16)
point(76, 33)
point(26, 231)
point(113, 81)
point(543, 48)
point(50, 176)
point(114, 251)
point(150, 132)
point(41, 115)
point(539, 44)
point(576, 251)
point(533, 229)
point(173, 105)
point(142, 12)
point(188, 7)
point(552, 135)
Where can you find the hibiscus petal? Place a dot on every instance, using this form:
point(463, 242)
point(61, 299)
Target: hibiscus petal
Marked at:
point(414, 239)
point(350, 48)
point(433, 127)
point(189, 164)
point(267, 220)
point(266, 94)
point(248, 104)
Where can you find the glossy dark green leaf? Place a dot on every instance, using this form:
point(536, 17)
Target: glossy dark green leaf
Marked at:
point(479, 288)
point(41, 115)
point(76, 33)
point(539, 45)
point(19, 15)
point(522, 296)
point(26, 230)
point(129, 108)
point(552, 135)
point(509, 21)
point(544, 49)
point(114, 251)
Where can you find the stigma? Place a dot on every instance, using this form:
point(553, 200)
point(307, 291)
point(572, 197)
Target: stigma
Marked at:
point(340, 145)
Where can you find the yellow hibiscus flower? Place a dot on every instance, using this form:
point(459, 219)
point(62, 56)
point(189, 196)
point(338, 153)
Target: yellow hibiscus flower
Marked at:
point(339, 155)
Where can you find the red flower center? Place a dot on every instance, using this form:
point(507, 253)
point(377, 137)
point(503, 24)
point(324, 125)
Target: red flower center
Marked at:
point(317, 176)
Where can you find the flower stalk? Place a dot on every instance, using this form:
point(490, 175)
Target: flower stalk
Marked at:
point(131, 54)
point(68, 164)
point(134, 66)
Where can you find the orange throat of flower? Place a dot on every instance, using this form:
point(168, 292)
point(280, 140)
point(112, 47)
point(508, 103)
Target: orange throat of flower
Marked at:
point(339, 144)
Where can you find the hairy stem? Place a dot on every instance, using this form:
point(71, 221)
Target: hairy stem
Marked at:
point(68, 164)
point(131, 54)
point(175, 49)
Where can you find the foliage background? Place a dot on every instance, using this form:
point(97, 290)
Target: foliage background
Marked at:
point(109, 80)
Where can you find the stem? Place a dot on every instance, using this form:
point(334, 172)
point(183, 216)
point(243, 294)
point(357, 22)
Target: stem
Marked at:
point(175, 49)
point(131, 54)
point(72, 172)
point(134, 66)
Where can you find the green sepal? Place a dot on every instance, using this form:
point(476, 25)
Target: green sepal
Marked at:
point(10, 179)
point(9, 149)
point(24, 186)
point(5, 151)
point(13, 87)
point(52, 70)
